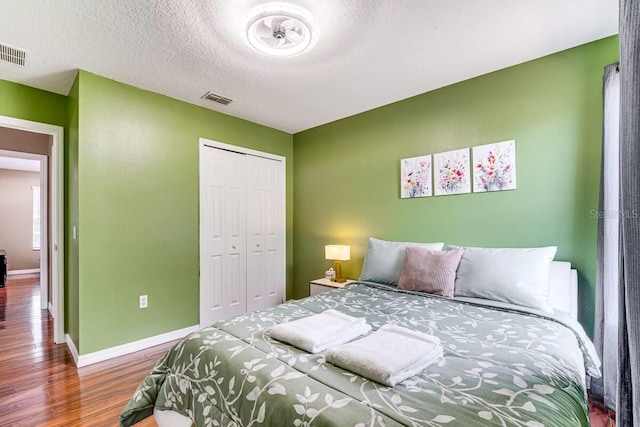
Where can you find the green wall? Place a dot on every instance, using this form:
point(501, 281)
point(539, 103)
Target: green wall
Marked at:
point(27, 103)
point(347, 172)
point(138, 207)
point(71, 248)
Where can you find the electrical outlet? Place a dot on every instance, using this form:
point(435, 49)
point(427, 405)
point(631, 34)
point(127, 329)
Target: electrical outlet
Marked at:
point(144, 301)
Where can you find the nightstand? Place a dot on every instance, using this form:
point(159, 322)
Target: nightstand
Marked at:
point(319, 286)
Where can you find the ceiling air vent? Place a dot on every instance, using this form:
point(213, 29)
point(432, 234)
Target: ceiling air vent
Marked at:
point(217, 98)
point(13, 55)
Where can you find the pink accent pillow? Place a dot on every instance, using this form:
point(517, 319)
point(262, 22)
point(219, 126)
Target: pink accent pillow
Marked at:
point(430, 271)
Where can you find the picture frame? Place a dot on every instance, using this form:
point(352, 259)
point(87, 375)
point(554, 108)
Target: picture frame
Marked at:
point(415, 177)
point(451, 172)
point(494, 167)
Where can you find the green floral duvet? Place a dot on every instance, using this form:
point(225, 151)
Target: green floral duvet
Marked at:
point(500, 367)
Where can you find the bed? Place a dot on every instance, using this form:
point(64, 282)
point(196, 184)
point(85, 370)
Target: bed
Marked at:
point(503, 364)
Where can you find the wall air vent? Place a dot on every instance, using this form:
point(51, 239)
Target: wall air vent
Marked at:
point(13, 55)
point(217, 98)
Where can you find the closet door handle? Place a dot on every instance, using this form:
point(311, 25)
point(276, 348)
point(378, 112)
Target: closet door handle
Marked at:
point(258, 244)
point(233, 247)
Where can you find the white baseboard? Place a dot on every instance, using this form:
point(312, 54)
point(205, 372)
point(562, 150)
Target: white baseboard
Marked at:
point(72, 348)
point(120, 350)
point(30, 271)
point(50, 307)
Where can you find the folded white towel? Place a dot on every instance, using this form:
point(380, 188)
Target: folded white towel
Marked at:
point(318, 332)
point(389, 355)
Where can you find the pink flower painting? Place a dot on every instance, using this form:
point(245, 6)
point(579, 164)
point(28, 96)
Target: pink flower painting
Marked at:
point(415, 177)
point(451, 172)
point(494, 167)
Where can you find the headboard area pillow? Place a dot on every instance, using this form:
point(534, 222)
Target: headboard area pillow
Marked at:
point(384, 260)
point(430, 271)
point(514, 275)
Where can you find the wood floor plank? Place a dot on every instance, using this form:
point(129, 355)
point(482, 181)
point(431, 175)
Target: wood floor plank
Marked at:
point(39, 383)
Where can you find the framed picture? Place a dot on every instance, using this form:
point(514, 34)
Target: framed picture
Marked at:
point(494, 167)
point(415, 177)
point(451, 172)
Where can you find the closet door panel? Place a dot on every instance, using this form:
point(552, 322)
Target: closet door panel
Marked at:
point(214, 266)
point(235, 235)
point(234, 286)
point(223, 247)
point(215, 298)
point(265, 233)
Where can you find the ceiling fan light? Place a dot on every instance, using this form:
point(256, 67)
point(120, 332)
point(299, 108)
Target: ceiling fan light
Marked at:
point(280, 29)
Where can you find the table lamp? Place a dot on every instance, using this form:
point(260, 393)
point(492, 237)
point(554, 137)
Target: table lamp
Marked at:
point(337, 253)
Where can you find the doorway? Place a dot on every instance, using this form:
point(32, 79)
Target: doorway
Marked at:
point(32, 163)
point(55, 177)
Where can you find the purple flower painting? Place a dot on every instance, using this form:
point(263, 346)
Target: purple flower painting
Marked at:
point(451, 172)
point(494, 167)
point(415, 177)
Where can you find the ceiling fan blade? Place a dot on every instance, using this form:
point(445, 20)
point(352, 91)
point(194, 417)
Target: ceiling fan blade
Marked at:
point(294, 35)
point(287, 24)
point(264, 31)
point(271, 41)
point(268, 21)
point(276, 23)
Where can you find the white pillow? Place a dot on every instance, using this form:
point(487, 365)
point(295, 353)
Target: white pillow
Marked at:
point(384, 260)
point(516, 276)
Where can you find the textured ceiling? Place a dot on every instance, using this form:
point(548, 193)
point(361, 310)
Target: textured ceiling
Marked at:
point(370, 52)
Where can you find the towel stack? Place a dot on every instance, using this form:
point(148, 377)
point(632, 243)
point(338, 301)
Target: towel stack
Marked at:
point(388, 356)
point(319, 332)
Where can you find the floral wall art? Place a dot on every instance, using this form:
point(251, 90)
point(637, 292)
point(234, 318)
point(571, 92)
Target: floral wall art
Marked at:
point(451, 172)
point(415, 177)
point(494, 167)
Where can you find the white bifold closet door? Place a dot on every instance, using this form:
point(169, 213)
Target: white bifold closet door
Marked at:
point(265, 232)
point(242, 264)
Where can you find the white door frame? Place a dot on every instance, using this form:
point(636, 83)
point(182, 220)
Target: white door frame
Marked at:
point(203, 143)
point(44, 215)
point(56, 179)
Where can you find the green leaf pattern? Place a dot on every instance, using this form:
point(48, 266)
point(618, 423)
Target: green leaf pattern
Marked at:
point(500, 368)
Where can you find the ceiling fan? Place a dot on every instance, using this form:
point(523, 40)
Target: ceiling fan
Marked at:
point(281, 29)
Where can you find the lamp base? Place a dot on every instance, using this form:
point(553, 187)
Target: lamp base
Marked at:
point(337, 266)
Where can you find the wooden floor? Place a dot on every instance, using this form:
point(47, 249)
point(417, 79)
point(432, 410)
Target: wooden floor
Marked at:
point(39, 383)
point(601, 416)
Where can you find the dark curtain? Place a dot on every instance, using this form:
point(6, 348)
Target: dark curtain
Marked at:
point(628, 408)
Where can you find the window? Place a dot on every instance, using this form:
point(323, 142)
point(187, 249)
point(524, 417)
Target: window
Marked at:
point(36, 218)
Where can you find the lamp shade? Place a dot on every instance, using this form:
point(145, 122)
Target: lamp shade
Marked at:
point(337, 252)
